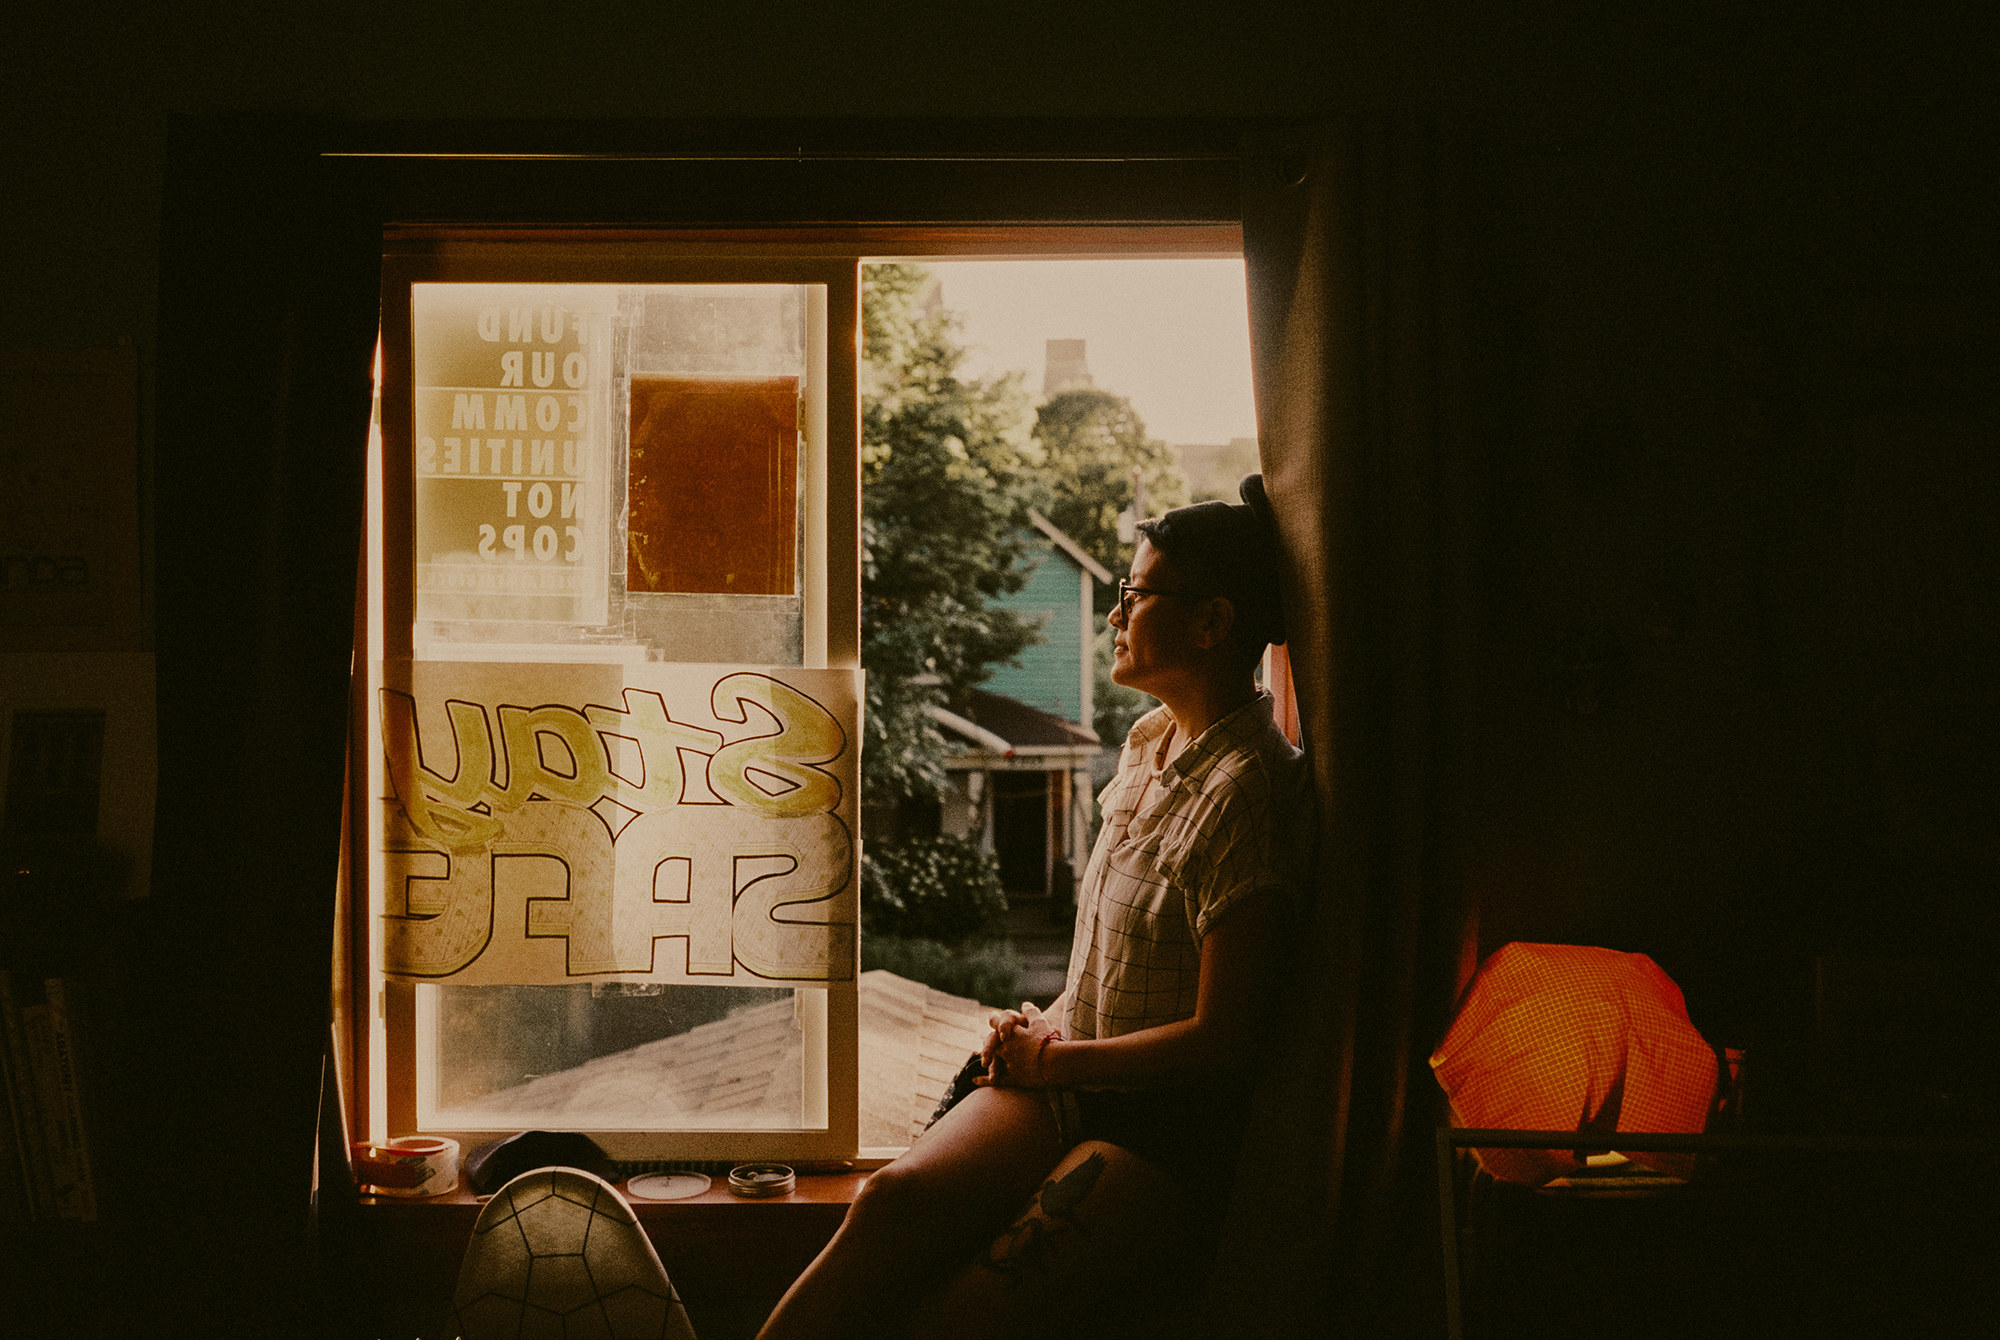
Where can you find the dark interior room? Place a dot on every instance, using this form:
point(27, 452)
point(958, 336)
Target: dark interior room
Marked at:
point(1627, 398)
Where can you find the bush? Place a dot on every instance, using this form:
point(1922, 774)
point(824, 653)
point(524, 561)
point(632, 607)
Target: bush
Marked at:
point(940, 888)
point(989, 972)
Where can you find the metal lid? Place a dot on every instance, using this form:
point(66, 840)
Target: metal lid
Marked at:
point(762, 1179)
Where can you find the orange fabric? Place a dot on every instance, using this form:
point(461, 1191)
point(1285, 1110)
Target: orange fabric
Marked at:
point(1567, 1037)
point(1284, 694)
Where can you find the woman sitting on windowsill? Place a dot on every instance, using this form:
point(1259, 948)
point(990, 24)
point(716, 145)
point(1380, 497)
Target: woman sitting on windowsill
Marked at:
point(1086, 1172)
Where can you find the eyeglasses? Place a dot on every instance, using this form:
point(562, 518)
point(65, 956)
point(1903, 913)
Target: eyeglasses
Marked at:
point(1127, 593)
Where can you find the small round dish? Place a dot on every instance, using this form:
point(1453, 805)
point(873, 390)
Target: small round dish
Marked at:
point(667, 1186)
point(757, 1180)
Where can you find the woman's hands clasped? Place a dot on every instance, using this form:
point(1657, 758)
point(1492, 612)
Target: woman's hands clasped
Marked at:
point(1016, 1050)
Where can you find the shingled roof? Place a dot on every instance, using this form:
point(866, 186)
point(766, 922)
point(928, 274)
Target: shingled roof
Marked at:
point(1023, 726)
point(745, 1071)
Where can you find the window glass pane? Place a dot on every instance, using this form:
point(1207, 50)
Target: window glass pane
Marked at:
point(619, 1055)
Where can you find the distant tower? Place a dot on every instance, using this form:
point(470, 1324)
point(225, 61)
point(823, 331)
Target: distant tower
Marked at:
point(1064, 368)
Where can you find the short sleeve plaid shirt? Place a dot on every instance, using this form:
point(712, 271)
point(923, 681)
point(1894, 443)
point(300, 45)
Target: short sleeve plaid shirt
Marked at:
point(1222, 821)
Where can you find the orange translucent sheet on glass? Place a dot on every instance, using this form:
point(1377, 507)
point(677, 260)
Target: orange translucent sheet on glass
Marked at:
point(712, 500)
point(1568, 1037)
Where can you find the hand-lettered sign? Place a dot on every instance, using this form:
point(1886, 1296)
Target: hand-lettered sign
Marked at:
point(548, 823)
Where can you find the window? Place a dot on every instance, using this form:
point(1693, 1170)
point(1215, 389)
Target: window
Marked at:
point(609, 752)
point(612, 753)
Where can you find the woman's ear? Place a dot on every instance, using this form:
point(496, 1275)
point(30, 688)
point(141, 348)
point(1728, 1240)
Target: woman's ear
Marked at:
point(1218, 619)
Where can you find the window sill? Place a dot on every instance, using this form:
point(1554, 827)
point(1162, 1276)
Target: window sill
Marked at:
point(814, 1188)
point(716, 1247)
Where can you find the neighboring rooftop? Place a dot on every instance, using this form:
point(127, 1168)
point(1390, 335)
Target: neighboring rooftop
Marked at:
point(746, 1071)
point(1022, 726)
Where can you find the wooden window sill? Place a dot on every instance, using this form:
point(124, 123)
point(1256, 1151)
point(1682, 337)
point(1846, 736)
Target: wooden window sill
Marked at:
point(831, 1188)
point(717, 1247)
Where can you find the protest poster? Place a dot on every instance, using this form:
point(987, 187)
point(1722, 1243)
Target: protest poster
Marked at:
point(555, 823)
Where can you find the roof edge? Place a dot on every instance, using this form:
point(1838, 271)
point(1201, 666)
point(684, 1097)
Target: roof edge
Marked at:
point(971, 730)
point(1070, 547)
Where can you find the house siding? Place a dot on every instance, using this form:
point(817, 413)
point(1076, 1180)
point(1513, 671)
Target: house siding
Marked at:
point(1048, 674)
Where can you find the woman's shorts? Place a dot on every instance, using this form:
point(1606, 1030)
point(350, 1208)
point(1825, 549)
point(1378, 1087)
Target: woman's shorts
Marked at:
point(1191, 1134)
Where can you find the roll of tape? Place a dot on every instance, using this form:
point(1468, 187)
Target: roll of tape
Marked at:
point(411, 1165)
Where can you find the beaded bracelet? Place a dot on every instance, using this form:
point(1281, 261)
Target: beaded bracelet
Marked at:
point(1041, 1049)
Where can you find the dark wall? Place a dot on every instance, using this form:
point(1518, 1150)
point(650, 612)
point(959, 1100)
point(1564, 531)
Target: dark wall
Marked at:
point(1731, 291)
point(1740, 583)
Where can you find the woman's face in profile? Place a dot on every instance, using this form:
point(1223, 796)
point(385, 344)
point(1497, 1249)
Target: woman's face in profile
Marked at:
point(1153, 629)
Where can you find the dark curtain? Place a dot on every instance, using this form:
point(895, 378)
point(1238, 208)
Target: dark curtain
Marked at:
point(270, 271)
point(1351, 247)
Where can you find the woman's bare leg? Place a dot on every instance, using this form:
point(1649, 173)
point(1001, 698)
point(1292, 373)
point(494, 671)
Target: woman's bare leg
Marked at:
point(1104, 1240)
point(917, 1217)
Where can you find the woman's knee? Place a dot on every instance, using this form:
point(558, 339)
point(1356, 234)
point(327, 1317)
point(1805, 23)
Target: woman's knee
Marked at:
point(897, 1193)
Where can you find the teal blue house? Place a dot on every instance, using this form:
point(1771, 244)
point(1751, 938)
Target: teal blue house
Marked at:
point(1054, 675)
point(1021, 784)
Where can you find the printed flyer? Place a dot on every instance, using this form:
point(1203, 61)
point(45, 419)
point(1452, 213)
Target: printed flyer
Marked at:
point(511, 386)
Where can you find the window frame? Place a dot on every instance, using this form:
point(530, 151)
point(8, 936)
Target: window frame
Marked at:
point(829, 255)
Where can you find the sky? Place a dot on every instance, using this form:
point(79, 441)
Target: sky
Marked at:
point(1171, 335)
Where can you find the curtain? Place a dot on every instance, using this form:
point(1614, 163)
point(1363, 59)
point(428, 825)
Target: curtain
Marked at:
point(270, 270)
point(1351, 248)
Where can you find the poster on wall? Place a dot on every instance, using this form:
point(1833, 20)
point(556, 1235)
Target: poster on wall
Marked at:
point(544, 824)
point(511, 388)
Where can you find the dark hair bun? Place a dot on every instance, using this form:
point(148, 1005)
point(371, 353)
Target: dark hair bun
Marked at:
point(1264, 539)
point(1252, 492)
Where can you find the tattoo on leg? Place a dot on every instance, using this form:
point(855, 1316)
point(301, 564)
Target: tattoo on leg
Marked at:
point(1060, 1198)
point(1027, 1243)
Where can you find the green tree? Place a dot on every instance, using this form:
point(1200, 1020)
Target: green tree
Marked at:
point(943, 516)
point(1091, 440)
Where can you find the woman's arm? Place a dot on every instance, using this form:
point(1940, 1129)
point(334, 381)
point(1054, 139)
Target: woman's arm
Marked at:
point(1232, 1003)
